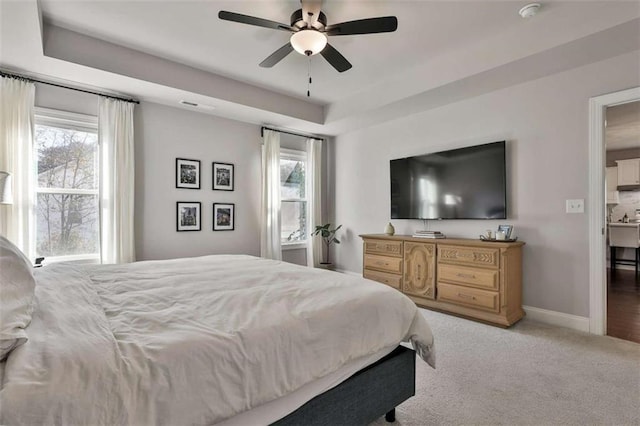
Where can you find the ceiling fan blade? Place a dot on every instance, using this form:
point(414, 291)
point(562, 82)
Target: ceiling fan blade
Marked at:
point(335, 58)
point(277, 56)
point(385, 24)
point(310, 11)
point(252, 20)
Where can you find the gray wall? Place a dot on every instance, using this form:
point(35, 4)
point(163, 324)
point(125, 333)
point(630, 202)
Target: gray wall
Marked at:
point(545, 122)
point(164, 134)
point(65, 100)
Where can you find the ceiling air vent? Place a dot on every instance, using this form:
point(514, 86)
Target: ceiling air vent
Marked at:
point(199, 106)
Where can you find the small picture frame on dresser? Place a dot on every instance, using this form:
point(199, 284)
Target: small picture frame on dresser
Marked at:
point(507, 229)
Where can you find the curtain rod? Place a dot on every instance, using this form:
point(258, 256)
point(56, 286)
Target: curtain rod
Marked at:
point(33, 80)
point(263, 128)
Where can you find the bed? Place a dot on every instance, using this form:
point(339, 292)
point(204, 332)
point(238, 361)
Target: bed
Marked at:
point(226, 339)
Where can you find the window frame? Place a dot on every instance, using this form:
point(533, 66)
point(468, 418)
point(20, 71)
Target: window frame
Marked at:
point(295, 155)
point(70, 121)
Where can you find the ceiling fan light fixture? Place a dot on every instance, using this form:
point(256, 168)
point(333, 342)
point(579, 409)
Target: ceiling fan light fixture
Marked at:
point(308, 42)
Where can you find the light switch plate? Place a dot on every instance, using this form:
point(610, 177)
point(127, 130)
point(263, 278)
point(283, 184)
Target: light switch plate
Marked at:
point(575, 206)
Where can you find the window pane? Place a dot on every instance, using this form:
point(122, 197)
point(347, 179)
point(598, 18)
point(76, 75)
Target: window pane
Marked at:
point(66, 158)
point(294, 221)
point(292, 175)
point(67, 224)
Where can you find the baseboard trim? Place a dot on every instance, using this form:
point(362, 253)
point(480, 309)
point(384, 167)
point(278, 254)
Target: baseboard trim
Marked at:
point(561, 319)
point(344, 271)
point(545, 316)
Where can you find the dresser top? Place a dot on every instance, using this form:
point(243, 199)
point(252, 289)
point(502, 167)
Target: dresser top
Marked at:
point(452, 241)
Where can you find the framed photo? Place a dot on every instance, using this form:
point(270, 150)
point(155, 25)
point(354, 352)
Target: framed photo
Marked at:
point(223, 176)
point(188, 216)
point(187, 173)
point(507, 229)
point(223, 217)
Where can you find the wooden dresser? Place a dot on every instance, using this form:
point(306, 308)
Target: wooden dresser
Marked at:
point(472, 278)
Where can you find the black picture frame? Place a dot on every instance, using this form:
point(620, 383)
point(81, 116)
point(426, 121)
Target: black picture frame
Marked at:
point(188, 220)
point(222, 176)
point(224, 216)
point(187, 173)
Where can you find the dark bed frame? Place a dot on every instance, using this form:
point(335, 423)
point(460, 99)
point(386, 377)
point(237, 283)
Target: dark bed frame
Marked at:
point(369, 394)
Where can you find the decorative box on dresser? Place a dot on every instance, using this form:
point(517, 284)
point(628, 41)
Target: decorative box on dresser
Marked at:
point(472, 278)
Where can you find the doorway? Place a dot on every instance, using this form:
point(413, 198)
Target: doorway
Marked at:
point(598, 212)
point(622, 175)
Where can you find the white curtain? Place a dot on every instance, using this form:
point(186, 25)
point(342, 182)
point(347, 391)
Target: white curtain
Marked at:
point(17, 99)
point(270, 208)
point(314, 200)
point(115, 120)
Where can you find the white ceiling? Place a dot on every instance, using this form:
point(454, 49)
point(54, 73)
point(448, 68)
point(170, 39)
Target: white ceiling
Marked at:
point(165, 51)
point(191, 33)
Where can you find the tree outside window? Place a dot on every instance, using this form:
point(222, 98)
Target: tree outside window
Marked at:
point(67, 205)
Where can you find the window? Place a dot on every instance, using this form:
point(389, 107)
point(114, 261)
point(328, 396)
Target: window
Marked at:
point(67, 186)
point(293, 207)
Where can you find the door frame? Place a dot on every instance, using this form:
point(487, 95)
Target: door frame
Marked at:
point(597, 205)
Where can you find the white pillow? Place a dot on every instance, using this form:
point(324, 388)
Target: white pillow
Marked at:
point(17, 287)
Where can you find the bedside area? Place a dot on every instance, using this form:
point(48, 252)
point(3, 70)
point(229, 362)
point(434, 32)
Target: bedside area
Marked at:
point(471, 278)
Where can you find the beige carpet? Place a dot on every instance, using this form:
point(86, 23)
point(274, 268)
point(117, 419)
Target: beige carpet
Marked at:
point(529, 374)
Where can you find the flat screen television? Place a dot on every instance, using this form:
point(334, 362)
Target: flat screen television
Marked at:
point(465, 183)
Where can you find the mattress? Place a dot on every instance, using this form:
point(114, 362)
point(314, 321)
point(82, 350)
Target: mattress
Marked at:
point(197, 341)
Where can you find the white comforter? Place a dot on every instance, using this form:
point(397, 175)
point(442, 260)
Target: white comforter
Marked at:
point(192, 341)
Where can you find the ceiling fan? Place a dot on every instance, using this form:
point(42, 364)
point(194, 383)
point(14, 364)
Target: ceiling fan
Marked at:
point(310, 31)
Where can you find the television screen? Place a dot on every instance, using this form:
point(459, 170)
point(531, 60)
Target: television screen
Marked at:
point(465, 183)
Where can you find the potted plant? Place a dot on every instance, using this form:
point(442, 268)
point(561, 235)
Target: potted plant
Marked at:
point(328, 236)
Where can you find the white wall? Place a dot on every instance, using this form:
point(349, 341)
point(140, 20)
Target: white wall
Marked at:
point(546, 125)
point(164, 134)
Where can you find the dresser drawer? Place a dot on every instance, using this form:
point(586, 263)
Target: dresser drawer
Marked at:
point(474, 277)
point(470, 297)
point(392, 280)
point(471, 256)
point(383, 263)
point(386, 247)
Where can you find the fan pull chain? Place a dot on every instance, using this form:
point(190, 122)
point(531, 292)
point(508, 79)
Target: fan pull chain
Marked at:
point(309, 75)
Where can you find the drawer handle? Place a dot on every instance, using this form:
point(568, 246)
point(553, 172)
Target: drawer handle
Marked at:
point(466, 296)
point(418, 272)
point(381, 263)
point(473, 277)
